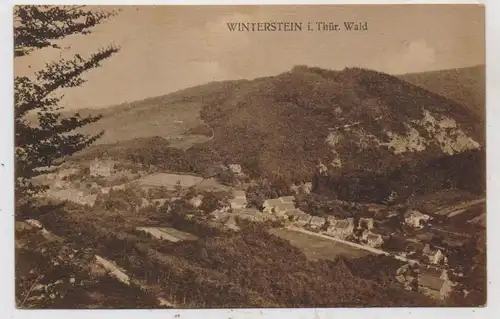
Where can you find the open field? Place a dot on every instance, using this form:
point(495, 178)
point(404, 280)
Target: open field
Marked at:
point(460, 208)
point(315, 247)
point(169, 180)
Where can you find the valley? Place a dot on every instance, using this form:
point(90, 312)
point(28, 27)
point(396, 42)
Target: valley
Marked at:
point(275, 192)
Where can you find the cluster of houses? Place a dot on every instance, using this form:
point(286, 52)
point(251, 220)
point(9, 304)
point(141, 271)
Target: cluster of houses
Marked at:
point(284, 209)
point(432, 282)
point(365, 230)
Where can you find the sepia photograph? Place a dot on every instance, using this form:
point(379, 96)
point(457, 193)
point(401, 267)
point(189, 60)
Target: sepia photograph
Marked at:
point(250, 156)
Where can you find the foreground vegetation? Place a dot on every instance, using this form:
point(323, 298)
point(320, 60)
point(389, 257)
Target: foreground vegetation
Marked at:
point(251, 268)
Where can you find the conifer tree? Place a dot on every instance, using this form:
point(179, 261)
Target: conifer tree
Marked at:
point(52, 137)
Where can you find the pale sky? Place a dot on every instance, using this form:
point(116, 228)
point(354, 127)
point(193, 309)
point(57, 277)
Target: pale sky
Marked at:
point(167, 48)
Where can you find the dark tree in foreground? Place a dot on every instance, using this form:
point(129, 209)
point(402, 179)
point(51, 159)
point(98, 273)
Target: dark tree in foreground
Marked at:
point(52, 136)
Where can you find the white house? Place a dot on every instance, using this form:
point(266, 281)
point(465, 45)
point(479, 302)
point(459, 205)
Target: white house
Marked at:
point(279, 206)
point(239, 201)
point(317, 222)
point(235, 168)
point(196, 201)
point(416, 219)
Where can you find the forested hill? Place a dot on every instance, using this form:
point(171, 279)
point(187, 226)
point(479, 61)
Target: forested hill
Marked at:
point(464, 85)
point(283, 126)
point(351, 119)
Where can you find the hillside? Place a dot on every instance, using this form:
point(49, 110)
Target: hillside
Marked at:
point(464, 85)
point(282, 127)
point(350, 119)
point(170, 116)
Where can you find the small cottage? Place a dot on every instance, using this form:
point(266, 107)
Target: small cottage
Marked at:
point(235, 168)
point(435, 285)
point(250, 214)
point(374, 240)
point(341, 229)
point(103, 168)
point(279, 206)
point(317, 222)
point(303, 219)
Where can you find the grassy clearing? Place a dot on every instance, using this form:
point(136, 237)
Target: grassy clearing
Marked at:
point(318, 248)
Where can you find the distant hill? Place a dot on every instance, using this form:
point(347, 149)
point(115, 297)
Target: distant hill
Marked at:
point(282, 127)
point(350, 119)
point(464, 85)
point(169, 116)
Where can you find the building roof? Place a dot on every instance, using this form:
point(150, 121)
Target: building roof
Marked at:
point(249, 210)
point(238, 201)
point(239, 194)
point(272, 202)
point(373, 237)
point(304, 217)
point(287, 199)
point(415, 214)
point(401, 278)
point(430, 281)
point(317, 220)
point(342, 224)
point(285, 206)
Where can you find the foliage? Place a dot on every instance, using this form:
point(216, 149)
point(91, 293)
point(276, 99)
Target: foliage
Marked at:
point(128, 198)
point(470, 259)
point(251, 268)
point(215, 200)
point(465, 171)
point(62, 275)
point(276, 127)
point(320, 205)
point(52, 138)
point(227, 177)
point(263, 189)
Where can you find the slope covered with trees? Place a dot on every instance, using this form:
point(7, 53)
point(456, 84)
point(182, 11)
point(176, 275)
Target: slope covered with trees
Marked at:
point(464, 85)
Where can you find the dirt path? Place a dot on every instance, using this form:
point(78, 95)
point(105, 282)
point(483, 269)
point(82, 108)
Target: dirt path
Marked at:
point(459, 208)
point(451, 232)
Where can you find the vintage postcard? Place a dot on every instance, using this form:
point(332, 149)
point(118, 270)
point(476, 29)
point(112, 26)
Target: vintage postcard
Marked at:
point(249, 156)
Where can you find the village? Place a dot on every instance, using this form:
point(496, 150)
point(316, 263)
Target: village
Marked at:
point(403, 233)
